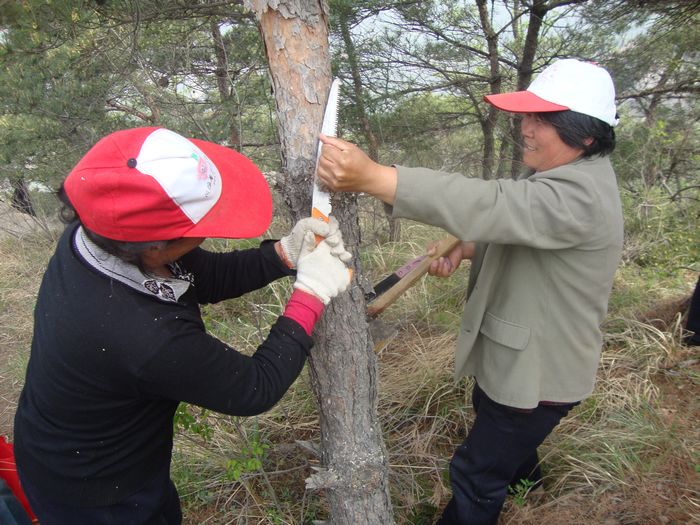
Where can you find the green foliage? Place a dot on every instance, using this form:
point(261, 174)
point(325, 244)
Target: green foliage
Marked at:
point(520, 491)
point(71, 73)
point(249, 460)
point(432, 132)
point(661, 152)
point(660, 233)
point(192, 419)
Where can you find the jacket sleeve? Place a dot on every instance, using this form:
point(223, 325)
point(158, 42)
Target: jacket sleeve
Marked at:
point(549, 210)
point(192, 366)
point(219, 276)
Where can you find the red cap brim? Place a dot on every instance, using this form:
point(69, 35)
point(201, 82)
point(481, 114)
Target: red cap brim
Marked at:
point(244, 209)
point(522, 102)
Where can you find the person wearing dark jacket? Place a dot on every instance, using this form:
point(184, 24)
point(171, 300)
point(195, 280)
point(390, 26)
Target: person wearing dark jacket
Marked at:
point(119, 340)
point(693, 321)
point(544, 250)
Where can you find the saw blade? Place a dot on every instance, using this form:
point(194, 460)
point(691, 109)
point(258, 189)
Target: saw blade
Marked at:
point(321, 199)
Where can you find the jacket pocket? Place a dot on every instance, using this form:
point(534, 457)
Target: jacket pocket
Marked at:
point(504, 332)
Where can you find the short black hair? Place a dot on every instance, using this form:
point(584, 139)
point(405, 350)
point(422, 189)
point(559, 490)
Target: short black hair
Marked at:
point(575, 128)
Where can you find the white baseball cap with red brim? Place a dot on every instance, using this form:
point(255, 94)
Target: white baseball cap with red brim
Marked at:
point(148, 184)
point(567, 84)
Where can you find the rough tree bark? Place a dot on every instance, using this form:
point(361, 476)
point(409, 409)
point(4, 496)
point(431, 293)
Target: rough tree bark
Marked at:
point(342, 363)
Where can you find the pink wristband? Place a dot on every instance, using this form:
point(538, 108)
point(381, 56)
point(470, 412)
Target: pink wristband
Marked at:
point(305, 309)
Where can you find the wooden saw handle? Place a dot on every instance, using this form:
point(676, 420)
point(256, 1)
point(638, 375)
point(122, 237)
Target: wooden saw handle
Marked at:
point(378, 305)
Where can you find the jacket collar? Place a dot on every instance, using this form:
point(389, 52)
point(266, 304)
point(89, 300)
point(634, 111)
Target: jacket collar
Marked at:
point(166, 290)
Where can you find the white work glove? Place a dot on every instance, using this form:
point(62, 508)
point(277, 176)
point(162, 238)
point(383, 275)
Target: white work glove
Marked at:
point(319, 271)
point(330, 231)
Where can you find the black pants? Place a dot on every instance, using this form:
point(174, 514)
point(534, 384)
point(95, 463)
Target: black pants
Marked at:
point(500, 450)
point(156, 504)
point(11, 510)
point(693, 322)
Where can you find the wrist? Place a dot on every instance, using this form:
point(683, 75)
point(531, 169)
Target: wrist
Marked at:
point(304, 308)
point(383, 183)
point(301, 287)
point(283, 255)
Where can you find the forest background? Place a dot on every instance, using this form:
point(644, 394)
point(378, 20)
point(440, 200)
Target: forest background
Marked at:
point(413, 77)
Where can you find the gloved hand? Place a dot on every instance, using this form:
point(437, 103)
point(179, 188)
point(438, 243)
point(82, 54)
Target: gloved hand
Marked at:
point(330, 231)
point(319, 271)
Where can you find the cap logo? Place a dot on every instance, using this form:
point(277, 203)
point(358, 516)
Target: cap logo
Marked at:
point(205, 171)
point(202, 168)
point(186, 174)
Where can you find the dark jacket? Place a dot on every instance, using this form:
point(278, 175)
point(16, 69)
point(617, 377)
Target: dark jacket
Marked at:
point(111, 359)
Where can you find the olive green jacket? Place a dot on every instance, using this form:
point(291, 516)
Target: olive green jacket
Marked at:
point(548, 248)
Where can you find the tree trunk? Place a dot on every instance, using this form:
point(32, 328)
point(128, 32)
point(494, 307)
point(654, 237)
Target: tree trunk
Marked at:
point(223, 83)
point(21, 200)
point(361, 113)
point(538, 10)
point(488, 122)
point(342, 363)
point(651, 171)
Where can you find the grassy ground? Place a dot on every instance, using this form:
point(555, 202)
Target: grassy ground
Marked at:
point(630, 454)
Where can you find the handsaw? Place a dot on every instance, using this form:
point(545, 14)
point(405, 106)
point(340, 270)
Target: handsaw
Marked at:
point(321, 200)
point(390, 288)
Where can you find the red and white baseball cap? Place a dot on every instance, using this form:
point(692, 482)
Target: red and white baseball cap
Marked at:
point(148, 184)
point(570, 84)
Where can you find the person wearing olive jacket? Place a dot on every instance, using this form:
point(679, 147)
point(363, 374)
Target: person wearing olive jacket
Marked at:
point(119, 340)
point(544, 250)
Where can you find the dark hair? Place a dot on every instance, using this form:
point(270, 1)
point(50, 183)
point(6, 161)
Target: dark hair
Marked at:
point(129, 252)
point(575, 128)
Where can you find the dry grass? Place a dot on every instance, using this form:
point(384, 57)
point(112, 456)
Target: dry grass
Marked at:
point(23, 258)
point(618, 459)
point(630, 454)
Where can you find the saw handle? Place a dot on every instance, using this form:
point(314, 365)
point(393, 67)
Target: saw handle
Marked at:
point(386, 299)
point(316, 214)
